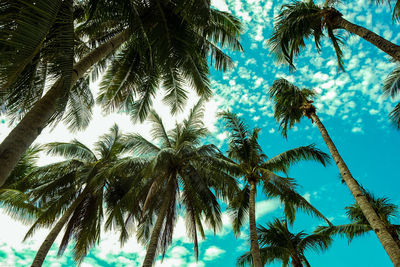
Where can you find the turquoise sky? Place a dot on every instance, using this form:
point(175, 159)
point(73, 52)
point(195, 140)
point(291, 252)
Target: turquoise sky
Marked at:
point(349, 103)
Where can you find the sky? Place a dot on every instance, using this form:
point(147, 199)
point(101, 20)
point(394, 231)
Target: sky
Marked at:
point(350, 104)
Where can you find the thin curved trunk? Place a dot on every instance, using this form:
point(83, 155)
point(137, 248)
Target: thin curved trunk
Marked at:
point(29, 128)
point(254, 247)
point(386, 46)
point(155, 234)
point(51, 237)
point(387, 241)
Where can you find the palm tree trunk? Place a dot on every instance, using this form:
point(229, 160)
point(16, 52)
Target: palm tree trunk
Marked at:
point(155, 234)
point(254, 248)
point(28, 129)
point(386, 46)
point(388, 243)
point(51, 237)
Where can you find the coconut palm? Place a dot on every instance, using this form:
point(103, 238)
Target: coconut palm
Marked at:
point(255, 168)
point(291, 105)
point(301, 20)
point(144, 43)
point(181, 172)
point(391, 88)
point(72, 193)
point(359, 225)
point(279, 244)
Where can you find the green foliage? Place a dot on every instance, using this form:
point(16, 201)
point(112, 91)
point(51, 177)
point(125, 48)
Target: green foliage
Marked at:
point(299, 21)
point(395, 115)
point(359, 225)
point(182, 174)
point(253, 165)
point(279, 244)
point(81, 181)
point(159, 53)
point(391, 87)
point(290, 102)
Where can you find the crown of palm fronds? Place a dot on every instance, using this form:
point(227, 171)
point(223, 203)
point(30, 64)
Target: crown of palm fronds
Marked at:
point(359, 225)
point(251, 163)
point(289, 101)
point(182, 171)
point(279, 244)
point(299, 21)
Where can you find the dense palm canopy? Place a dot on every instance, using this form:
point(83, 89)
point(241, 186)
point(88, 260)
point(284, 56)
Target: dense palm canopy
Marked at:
point(144, 45)
point(53, 35)
point(299, 21)
point(359, 225)
point(37, 46)
point(181, 173)
point(76, 188)
point(279, 244)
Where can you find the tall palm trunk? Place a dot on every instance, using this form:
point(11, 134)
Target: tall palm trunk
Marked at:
point(155, 234)
point(388, 243)
point(51, 237)
point(254, 248)
point(29, 128)
point(386, 46)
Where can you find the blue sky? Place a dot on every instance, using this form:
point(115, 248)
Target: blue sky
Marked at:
point(349, 103)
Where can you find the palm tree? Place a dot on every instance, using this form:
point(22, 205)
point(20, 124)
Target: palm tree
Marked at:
point(291, 105)
point(144, 43)
point(278, 243)
point(181, 172)
point(301, 20)
point(255, 168)
point(359, 225)
point(391, 87)
point(72, 193)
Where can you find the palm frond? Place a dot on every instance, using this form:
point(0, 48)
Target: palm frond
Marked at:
point(25, 29)
point(75, 149)
point(391, 85)
point(347, 230)
point(238, 209)
point(395, 115)
point(283, 161)
point(296, 22)
point(158, 131)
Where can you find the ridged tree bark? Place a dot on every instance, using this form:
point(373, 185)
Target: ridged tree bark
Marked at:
point(30, 127)
point(387, 241)
point(386, 46)
point(254, 247)
point(51, 237)
point(155, 234)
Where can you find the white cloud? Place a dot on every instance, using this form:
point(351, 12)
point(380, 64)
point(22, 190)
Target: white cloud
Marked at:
point(266, 206)
point(357, 130)
point(307, 196)
point(212, 253)
point(220, 5)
